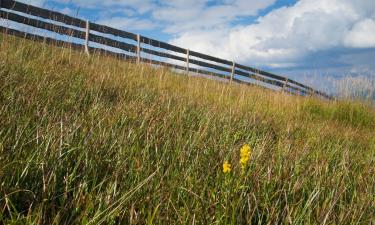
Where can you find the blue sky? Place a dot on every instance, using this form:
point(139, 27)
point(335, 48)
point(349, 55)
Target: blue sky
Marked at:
point(297, 38)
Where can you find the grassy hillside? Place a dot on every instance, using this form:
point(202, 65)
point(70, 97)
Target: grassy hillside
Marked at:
point(97, 140)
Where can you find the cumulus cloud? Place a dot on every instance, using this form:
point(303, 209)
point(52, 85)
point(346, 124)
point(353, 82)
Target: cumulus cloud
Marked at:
point(286, 35)
point(362, 35)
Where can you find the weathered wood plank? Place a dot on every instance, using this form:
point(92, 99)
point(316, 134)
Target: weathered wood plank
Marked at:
point(113, 43)
point(39, 38)
point(162, 54)
point(160, 44)
point(256, 77)
point(209, 65)
point(274, 76)
point(191, 61)
point(183, 68)
point(261, 72)
point(277, 77)
point(210, 58)
point(60, 43)
point(42, 25)
point(63, 18)
point(266, 80)
point(43, 13)
point(112, 31)
point(66, 31)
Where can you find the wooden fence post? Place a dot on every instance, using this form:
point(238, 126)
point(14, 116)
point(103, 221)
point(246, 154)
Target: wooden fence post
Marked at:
point(87, 50)
point(233, 71)
point(138, 48)
point(187, 60)
point(285, 85)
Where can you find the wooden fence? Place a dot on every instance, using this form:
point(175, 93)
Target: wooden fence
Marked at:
point(143, 47)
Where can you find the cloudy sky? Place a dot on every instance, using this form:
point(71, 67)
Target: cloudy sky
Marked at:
point(292, 37)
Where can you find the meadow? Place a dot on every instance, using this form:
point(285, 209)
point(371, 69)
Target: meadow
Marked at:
point(96, 140)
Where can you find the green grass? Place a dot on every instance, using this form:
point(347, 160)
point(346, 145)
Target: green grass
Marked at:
point(97, 140)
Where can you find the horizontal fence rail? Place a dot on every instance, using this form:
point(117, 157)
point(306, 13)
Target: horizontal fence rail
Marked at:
point(138, 48)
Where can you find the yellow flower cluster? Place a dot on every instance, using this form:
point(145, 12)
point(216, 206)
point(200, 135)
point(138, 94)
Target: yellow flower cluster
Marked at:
point(245, 153)
point(227, 167)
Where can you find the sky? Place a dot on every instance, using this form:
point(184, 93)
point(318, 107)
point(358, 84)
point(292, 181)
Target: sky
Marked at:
point(297, 38)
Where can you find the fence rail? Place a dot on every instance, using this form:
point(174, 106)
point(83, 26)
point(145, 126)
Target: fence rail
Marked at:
point(92, 33)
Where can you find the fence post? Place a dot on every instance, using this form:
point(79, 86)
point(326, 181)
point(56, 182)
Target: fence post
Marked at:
point(285, 85)
point(233, 71)
point(87, 50)
point(187, 60)
point(138, 48)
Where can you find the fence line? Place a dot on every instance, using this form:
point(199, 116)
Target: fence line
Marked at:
point(82, 29)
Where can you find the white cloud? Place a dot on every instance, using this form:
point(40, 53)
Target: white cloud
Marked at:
point(286, 35)
point(362, 35)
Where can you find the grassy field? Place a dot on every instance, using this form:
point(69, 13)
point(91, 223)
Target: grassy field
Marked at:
point(100, 141)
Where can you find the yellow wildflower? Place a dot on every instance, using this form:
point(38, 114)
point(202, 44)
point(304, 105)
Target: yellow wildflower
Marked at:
point(227, 167)
point(245, 153)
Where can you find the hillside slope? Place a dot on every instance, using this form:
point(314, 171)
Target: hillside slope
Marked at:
point(98, 140)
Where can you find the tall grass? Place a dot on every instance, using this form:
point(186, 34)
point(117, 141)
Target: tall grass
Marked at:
point(100, 141)
point(356, 87)
point(360, 87)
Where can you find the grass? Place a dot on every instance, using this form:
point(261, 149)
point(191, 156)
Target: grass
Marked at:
point(100, 141)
